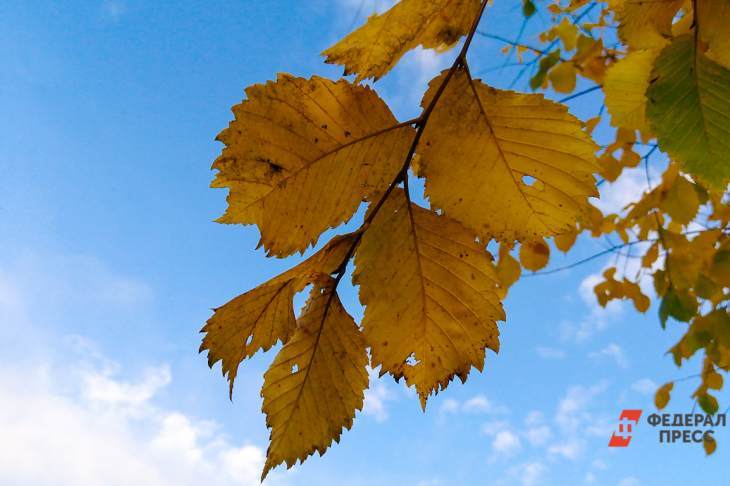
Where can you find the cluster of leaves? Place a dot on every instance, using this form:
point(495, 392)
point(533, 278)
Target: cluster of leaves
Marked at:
point(666, 86)
point(302, 155)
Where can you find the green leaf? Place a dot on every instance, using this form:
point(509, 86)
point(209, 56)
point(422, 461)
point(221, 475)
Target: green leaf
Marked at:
point(528, 8)
point(689, 110)
point(546, 63)
point(708, 403)
point(679, 305)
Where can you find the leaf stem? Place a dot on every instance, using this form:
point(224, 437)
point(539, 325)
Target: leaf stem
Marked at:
point(420, 124)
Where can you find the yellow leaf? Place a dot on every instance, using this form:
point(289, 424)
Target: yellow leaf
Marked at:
point(316, 382)
point(632, 291)
point(714, 380)
point(508, 270)
point(610, 168)
point(534, 255)
point(625, 88)
point(301, 155)
point(591, 123)
point(263, 316)
point(681, 201)
point(508, 165)
point(373, 49)
point(661, 399)
point(430, 296)
point(562, 77)
point(651, 255)
point(709, 444)
point(567, 31)
point(647, 24)
point(714, 22)
point(565, 241)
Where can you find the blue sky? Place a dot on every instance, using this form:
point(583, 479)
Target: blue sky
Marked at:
point(110, 264)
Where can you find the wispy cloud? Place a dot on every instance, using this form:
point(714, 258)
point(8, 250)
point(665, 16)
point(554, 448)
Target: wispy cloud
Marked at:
point(612, 352)
point(62, 415)
point(645, 386)
point(547, 352)
point(478, 404)
point(113, 10)
point(376, 397)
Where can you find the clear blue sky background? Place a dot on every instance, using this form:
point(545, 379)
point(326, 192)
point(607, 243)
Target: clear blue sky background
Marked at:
point(110, 264)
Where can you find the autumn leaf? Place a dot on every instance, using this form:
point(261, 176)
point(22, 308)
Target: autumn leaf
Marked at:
point(373, 49)
point(316, 382)
point(563, 77)
point(625, 88)
point(709, 444)
point(508, 165)
point(430, 296)
point(534, 255)
point(662, 396)
point(261, 317)
point(302, 154)
point(714, 29)
point(644, 24)
point(508, 270)
point(564, 242)
point(689, 110)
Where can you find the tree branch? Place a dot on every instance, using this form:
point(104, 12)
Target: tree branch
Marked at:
point(402, 175)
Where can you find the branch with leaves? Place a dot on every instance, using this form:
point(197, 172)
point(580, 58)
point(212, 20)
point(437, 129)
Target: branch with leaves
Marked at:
point(302, 155)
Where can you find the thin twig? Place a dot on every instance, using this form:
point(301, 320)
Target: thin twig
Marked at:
point(580, 93)
point(402, 175)
point(611, 249)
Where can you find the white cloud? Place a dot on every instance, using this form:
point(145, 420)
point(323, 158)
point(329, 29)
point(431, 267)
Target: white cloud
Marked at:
point(534, 417)
point(645, 386)
point(546, 352)
point(538, 436)
point(590, 478)
point(626, 189)
point(376, 397)
point(572, 410)
point(113, 10)
point(494, 427)
point(87, 427)
point(569, 449)
point(598, 317)
point(629, 481)
point(528, 473)
point(478, 404)
point(612, 352)
point(506, 443)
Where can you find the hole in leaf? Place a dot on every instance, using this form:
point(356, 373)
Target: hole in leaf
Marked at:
point(528, 180)
point(294, 369)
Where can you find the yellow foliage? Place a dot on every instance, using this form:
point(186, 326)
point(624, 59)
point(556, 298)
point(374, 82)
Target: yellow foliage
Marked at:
point(647, 24)
point(523, 164)
point(263, 316)
point(562, 77)
point(302, 154)
point(428, 274)
point(316, 382)
point(508, 270)
point(662, 396)
point(625, 88)
point(373, 49)
point(534, 255)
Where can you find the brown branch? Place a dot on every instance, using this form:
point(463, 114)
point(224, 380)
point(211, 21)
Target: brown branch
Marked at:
point(611, 249)
point(402, 175)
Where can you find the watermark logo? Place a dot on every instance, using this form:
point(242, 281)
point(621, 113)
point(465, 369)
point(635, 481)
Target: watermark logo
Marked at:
point(627, 422)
